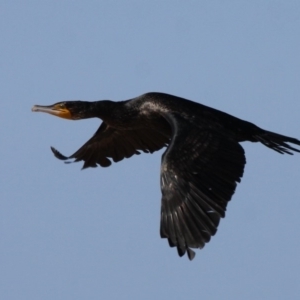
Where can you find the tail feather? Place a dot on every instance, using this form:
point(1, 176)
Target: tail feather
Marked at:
point(278, 142)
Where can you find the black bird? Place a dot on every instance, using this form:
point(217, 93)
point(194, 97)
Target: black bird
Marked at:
point(200, 168)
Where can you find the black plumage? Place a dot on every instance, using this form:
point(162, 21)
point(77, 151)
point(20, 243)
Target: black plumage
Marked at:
point(200, 168)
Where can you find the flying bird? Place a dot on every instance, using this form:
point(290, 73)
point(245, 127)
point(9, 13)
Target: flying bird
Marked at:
point(200, 168)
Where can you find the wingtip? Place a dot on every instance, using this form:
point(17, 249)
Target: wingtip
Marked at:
point(57, 154)
point(191, 254)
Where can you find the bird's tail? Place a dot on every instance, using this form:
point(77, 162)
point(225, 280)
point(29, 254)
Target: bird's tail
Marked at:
point(277, 142)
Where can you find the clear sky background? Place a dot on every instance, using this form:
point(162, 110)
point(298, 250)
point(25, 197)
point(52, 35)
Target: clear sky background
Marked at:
point(94, 234)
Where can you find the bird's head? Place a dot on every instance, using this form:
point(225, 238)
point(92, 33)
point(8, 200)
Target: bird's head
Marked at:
point(71, 110)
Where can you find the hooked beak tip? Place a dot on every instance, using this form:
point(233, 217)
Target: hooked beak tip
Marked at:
point(34, 108)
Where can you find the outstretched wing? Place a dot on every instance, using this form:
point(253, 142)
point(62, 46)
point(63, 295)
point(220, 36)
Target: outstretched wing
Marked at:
point(109, 142)
point(199, 173)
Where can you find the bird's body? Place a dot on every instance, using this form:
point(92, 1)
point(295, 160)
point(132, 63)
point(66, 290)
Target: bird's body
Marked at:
point(200, 168)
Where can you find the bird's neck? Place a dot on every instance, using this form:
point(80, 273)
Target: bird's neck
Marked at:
point(96, 109)
point(106, 110)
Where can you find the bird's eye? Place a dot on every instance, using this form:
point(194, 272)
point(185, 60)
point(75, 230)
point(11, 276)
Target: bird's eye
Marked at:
point(62, 105)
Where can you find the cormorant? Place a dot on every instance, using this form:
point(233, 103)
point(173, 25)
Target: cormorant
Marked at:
point(200, 168)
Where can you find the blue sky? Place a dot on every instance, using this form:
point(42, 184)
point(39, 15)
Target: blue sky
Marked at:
point(94, 234)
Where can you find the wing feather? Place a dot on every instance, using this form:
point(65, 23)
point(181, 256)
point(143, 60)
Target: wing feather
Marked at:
point(199, 173)
point(110, 143)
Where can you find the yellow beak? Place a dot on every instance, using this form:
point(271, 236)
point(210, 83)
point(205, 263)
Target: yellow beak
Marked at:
point(55, 110)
